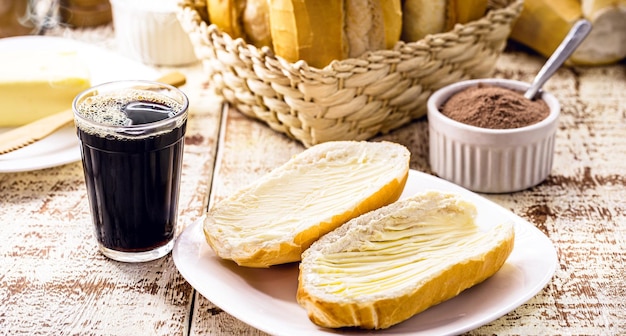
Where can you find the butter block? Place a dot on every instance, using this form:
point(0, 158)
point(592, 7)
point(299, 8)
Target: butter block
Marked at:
point(36, 84)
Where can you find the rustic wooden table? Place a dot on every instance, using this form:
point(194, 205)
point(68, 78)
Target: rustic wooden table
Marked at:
point(54, 282)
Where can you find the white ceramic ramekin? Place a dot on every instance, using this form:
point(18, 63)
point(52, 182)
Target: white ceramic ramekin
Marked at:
point(149, 31)
point(490, 160)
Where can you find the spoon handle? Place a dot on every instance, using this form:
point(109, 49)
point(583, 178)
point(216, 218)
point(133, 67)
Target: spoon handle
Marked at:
point(576, 35)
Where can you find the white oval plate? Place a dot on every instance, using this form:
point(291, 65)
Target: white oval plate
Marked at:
point(62, 146)
point(266, 298)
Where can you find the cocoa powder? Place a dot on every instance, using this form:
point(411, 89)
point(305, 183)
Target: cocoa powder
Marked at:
point(494, 107)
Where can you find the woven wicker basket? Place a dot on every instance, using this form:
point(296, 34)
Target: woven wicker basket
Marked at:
point(351, 99)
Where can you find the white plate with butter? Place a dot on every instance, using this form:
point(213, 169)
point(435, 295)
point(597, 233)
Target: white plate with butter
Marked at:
point(62, 147)
point(266, 298)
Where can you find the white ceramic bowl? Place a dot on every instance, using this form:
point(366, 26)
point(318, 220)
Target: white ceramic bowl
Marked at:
point(149, 31)
point(490, 160)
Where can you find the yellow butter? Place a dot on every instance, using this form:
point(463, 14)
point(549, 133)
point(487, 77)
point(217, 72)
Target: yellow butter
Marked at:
point(407, 249)
point(36, 84)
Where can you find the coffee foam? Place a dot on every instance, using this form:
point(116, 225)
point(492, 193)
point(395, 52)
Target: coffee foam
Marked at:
point(105, 109)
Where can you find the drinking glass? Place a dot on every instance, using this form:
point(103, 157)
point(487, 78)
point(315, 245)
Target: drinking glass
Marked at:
point(132, 138)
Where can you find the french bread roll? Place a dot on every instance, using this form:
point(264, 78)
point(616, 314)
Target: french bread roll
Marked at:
point(226, 14)
point(320, 31)
point(424, 17)
point(387, 265)
point(273, 220)
point(543, 24)
point(256, 23)
point(464, 11)
point(606, 43)
point(247, 19)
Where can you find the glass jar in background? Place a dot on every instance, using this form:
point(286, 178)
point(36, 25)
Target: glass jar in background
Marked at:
point(15, 18)
point(85, 13)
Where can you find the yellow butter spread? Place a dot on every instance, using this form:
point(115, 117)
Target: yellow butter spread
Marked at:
point(36, 84)
point(300, 197)
point(406, 249)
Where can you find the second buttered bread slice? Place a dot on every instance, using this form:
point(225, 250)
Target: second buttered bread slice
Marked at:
point(275, 219)
point(385, 266)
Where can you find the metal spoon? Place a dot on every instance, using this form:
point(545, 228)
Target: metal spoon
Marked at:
point(576, 35)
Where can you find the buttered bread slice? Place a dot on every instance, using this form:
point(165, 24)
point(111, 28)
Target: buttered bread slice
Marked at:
point(385, 266)
point(275, 219)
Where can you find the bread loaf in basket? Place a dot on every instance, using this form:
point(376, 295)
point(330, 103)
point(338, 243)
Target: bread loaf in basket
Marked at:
point(350, 99)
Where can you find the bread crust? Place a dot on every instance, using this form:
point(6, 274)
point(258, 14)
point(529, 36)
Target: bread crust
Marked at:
point(385, 308)
point(424, 17)
point(320, 31)
point(226, 14)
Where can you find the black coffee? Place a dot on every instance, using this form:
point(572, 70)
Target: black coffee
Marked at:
point(132, 179)
point(145, 112)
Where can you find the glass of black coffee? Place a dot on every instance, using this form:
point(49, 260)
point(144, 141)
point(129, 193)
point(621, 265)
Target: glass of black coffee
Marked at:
point(132, 137)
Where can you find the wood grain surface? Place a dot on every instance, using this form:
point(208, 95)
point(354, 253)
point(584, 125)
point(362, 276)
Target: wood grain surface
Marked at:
point(54, 282)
